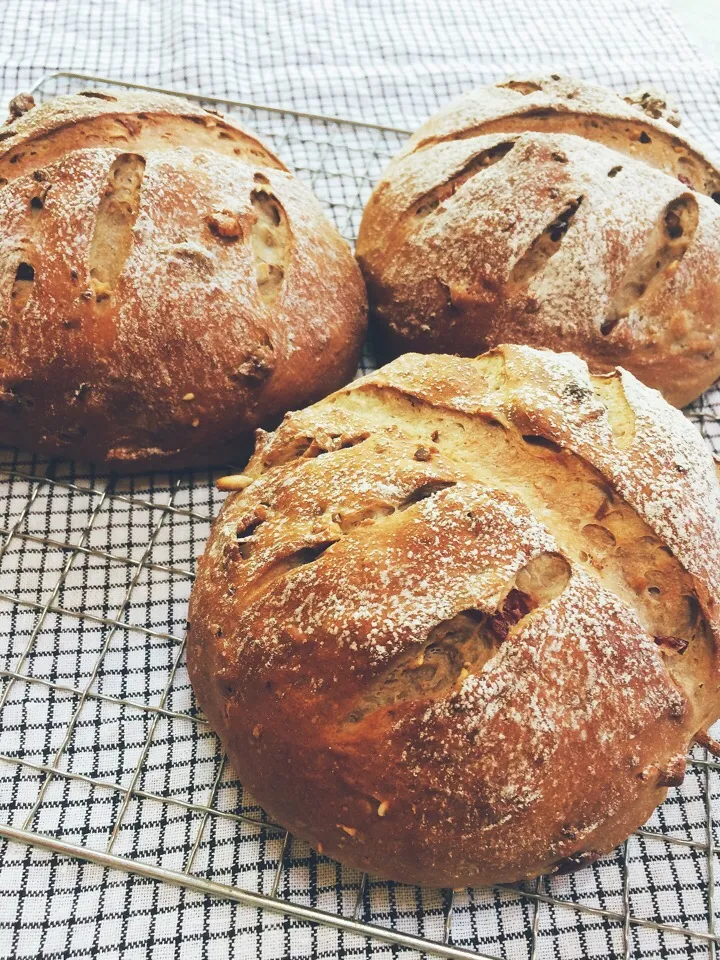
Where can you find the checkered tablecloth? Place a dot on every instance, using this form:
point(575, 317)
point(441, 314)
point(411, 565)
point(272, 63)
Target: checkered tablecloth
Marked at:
point(95, 571)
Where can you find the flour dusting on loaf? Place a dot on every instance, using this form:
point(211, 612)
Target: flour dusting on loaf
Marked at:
point(461, 625)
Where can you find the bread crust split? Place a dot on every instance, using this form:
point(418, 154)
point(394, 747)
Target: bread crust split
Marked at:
point(460, 625)
point(166, 286)
point(555, 213)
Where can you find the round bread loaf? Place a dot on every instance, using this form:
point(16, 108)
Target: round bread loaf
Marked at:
point(554, 213)
point(166, 284)
point(460, 626)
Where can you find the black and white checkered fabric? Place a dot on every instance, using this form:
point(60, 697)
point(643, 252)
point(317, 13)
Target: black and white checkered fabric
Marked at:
point(101, 744)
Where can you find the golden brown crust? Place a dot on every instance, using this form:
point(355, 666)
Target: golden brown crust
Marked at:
point(460, 624)
point(166, 285)
point(511, 217)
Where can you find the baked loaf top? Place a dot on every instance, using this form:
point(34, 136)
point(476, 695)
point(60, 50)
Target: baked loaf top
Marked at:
point(461, 624)
point(555, 213)
point(167, 285)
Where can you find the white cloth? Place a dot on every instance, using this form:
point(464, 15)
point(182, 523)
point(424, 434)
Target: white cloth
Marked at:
point(388, 62)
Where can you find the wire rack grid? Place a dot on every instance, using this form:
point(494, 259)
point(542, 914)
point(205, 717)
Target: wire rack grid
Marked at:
point(104, 755)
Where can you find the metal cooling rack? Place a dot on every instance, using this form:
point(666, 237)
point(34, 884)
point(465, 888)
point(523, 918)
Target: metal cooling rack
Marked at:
point(81, 556)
